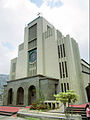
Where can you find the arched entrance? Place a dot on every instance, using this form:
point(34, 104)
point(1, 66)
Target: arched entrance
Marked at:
point(10, 96)
point(20, 96)
point(88, 92)
point(31, 94)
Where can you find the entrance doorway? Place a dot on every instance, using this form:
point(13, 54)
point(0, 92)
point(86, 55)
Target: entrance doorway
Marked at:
point(88, 92)
point(31, 95)
point(10, 96)
point(20, 96)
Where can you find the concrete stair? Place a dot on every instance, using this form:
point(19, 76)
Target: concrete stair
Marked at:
point(7, 113)
point(77, 110)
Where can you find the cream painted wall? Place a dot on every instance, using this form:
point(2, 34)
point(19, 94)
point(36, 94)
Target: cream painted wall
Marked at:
point(22, 60)
point(40, 69)
point(20, 70)
point(73, 66)
point(46, 62)
point(77, 60)
point(11, 73)
point(51, 56)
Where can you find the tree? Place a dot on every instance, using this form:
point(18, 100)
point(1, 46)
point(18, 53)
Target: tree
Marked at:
point(72, 96)
point(66, 97)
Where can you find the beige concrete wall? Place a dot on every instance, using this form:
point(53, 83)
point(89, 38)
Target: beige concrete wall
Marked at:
point(39, 47)
point(51, 66)
point(73, 66)
point(20, 70)
point(70, 62)
point(47, 58)
point(22, 60)
point(77, 60)
point(13, 74)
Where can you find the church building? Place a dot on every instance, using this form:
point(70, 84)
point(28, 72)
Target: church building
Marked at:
point(48, 62)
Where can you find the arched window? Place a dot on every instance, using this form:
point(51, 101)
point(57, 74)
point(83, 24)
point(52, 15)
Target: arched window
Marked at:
point(10, 96)
point(20, 96)
point(31, 94)
point(88, 92)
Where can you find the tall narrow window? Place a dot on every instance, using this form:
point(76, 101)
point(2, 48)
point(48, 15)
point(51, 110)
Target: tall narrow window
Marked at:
point(56, 87)
point(61, 51)
point(62, 87)
point(32, 32)
point(32, 44)
point(63, 70)
point(65, 87)
point(13, 67)
point(64, 51)
point(66, 69)
point(60, 70)
point(48, 27)
point(58, 52)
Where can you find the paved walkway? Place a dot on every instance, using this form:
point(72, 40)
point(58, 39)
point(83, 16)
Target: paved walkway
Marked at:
point(9, 108)
point(52, 114)
point(10, 118)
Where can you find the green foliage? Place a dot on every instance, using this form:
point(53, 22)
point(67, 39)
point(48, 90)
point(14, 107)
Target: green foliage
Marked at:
point(72, 97)
point(41, 96)
point(67, 97)
point(38, 106)
point(61, 96)
point(39, 103)
point(48, 107)
point(33, 106)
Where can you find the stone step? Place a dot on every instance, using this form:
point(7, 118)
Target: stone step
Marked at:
point(77, 110)
point(6, 113)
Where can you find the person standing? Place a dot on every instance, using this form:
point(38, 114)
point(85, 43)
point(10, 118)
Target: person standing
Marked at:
point(88, 111)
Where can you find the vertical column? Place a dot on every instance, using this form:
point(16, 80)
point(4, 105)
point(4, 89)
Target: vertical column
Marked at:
point(25, 96)
point(55, 105)
point(14, 99)
point(51, 105)
point(37, 93)
point(5, 96)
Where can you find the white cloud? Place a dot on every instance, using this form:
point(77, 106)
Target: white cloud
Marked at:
point(45, 1)
point(71, 18)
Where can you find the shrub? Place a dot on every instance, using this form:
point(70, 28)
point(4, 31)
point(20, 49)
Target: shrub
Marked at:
point(39, 106)
point(33, 106)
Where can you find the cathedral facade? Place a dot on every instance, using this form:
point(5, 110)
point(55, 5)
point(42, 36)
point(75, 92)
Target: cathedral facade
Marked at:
point(48, 62)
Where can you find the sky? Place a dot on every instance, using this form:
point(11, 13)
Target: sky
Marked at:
point(68, 16)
